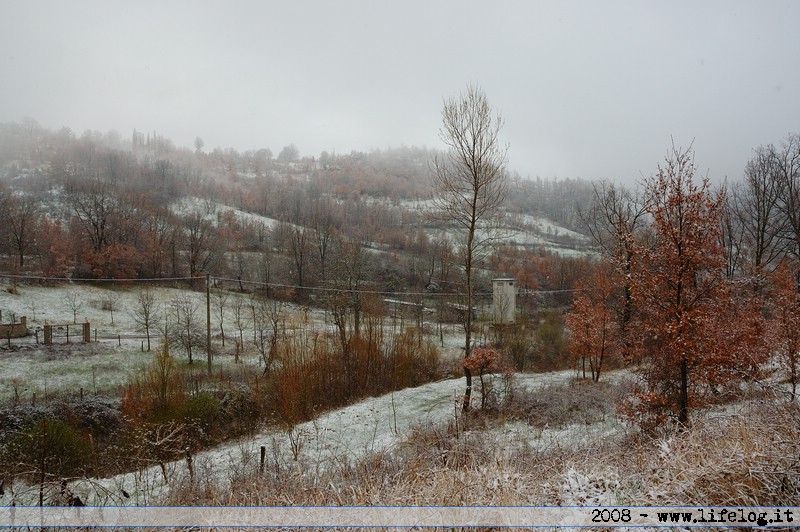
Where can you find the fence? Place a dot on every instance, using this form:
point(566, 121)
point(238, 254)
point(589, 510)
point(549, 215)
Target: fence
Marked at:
point(62, 331)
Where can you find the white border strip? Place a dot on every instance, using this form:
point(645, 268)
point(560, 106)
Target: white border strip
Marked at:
point(398, 517)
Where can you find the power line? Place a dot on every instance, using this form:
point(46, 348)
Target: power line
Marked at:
point(340, 290)
point(80, 280)
point(279, 285)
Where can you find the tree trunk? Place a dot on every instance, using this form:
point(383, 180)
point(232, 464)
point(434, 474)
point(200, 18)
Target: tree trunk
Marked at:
point(683, 409)
point(468, 391)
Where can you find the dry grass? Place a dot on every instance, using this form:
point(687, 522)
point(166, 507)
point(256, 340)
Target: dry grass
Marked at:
point(747, 458)
point(751, 457)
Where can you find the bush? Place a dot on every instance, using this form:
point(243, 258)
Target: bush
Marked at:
point(96, 414)
point(203, 411)
point(551, 344)
point(50, 447)
point(558, 405)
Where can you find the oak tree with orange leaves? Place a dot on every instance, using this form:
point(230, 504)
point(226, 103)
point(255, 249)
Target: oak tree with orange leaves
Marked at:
point(683, 295)
point(594, 324)
point(785, 330)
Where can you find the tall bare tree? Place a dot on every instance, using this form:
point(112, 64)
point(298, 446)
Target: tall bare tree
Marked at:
point(19, 214)
point(469, 187)
point(188, 332)
point(323, 236)
point(95, 204)
point(146, 313)
point(299, 251)
point(614, 220)
point(267, 314)
point(220, 298)
point(756, 204)
point(74, 302)
point(787, 172)
point(202, 244)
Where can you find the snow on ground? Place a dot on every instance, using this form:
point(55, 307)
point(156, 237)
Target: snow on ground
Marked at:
point(528, 239)
point(210, 210)
point(105, 365)
point(102, 366)
point(519, 237)
point(547, 227)
point(340, 437)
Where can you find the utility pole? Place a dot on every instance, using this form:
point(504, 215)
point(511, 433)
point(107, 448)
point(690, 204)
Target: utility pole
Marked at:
point(208, 320)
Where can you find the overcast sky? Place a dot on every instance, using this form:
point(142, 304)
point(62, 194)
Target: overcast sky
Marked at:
point(592, 89)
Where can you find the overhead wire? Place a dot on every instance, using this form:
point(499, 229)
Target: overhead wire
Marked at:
point(275, 285)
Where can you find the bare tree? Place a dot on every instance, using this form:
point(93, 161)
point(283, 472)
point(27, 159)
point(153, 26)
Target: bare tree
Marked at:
point(158, 228)
point(323, 236)
point(202, 244)
point(756, 205)
point(469, 184)
point(267, 318)
point(614, 220)
point(240, 319)
point(187, 333)
point(73, 300)
point(146, 313)
point(220, 302)
point(787, 174)
point(299, 252)
point(109, 303)
point(19, 216)
point(615, 215)
point(349, 268)
point(95, 204)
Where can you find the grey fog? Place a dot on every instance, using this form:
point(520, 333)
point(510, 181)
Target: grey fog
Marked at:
point(587, 89)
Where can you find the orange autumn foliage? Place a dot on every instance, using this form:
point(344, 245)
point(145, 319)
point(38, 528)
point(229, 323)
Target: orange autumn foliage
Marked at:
point(785, 326)
point(698, 334)
point(595, 335)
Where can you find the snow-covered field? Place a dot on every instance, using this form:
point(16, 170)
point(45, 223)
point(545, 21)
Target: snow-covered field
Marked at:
point(102, 366)
point(210, 210)
point(337, 438)
point(377, 424)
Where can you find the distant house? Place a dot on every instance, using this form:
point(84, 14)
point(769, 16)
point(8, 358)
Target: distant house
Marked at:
point(504, 300)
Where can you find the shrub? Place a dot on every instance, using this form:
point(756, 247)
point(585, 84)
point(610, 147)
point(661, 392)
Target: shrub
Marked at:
point(550, 344)
point(157, 394)
point(51, 448)
point(202, 411)
point(558, 405)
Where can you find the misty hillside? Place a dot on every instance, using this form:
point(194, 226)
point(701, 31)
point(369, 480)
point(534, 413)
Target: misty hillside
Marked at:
point(131, 195)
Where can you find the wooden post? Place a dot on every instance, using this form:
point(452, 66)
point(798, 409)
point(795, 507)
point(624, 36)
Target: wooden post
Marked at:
point(48, 334)
point(190, 464)
point(67, 333)
point(263, 459)
point(208, 321)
